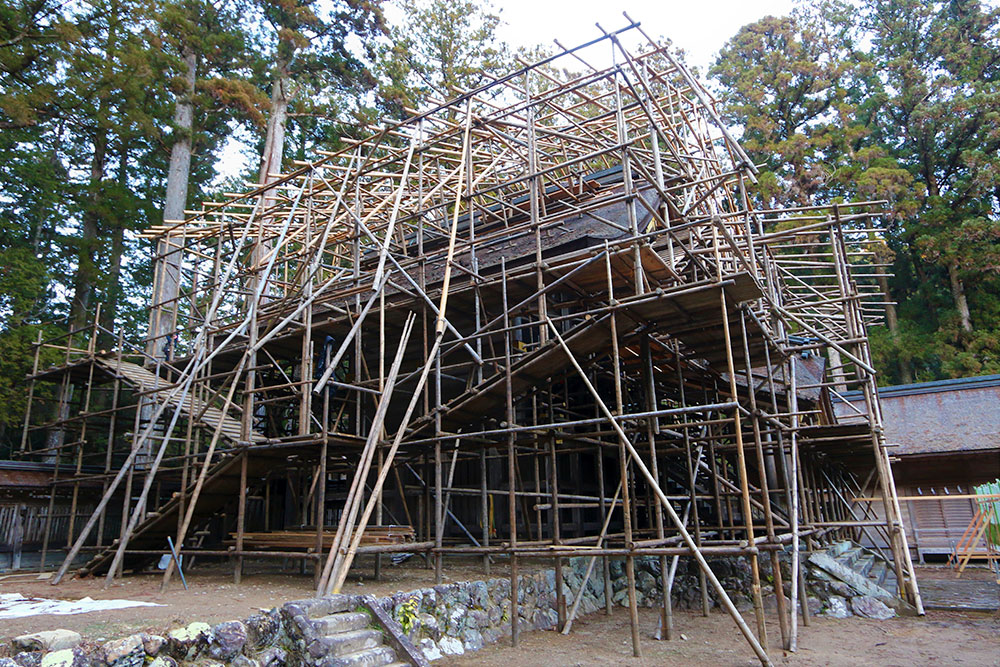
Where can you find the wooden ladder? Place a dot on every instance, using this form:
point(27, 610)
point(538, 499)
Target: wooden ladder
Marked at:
point(965, 550)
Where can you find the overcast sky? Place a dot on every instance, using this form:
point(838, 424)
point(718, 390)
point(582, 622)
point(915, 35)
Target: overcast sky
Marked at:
point(700, 27)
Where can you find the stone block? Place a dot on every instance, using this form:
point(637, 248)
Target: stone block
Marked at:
point(48, 640)
point(185, 643)
point(226, 640)
point(430, 649)
point(28, 658)
point(428, 626)
point(472, 639)
point(870, 607)
point(272, 657)
point(344, 621)
point(153, 644)
point(68, 657)
point(60, 658)
point(836, 607)
point(451, 646)
point(128, 652)
point(263, 629)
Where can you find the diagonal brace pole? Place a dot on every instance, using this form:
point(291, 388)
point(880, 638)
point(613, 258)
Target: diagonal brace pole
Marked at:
point(665, 502)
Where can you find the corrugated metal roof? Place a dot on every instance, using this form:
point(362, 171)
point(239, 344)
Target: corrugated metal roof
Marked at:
point(956, 384)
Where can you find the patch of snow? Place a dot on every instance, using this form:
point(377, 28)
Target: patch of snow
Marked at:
point(15, 605)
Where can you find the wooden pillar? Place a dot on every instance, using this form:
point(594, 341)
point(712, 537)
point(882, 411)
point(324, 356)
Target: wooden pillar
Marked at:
point(438, 514)
point(241, 515)
point(606, 562)
point(623, 472)
point(692, 476)
point(758, 603)
point(793, 485)
point(557, 533)
point(484, 509)
point(666, 608)
point(779, 592)
point(511, 466)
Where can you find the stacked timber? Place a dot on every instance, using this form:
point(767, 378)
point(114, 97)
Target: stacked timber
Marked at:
point(294, 540)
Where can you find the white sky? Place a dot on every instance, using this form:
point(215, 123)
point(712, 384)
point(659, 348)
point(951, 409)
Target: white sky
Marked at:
point(700, 27)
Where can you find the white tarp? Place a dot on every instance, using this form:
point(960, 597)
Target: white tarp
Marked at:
point(15, 605)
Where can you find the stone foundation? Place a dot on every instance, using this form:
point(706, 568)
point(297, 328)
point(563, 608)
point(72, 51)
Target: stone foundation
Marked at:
point(442, 620)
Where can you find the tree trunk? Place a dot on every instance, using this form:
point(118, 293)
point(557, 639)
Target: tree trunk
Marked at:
point(274, 140)
point(837, 370)
point(167, 271)
point(86, 270)
point(958, 294)
point(42, 222)
point(113, 291)
point(270, 160)
point(892, 321)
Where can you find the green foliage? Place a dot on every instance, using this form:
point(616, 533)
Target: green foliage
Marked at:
point(896, 100)
point(32, 34)
point(442, 48)
point(319, 54)
point(88, 93)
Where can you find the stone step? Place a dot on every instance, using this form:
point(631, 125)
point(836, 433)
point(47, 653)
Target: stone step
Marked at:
point(879, 572)
point(342, 622)
point(372, 657)
point(839, 548)
point(346, 643)
point(861, 584)
point(864, 564)
point(850, 557)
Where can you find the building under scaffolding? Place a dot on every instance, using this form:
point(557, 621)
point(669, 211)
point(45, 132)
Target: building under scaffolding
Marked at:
point(541, 320)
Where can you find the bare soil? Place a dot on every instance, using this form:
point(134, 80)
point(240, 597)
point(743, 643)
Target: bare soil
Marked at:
point(940, 638)
point(213, 597)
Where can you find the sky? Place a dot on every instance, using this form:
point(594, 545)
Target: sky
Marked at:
point(700, 27)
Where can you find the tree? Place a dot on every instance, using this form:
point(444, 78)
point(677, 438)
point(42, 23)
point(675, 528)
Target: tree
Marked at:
point(206, 48)
point(896, 100)
point(112, 106)
point(798, 87)
point(440, 49)
point(33, 34)
point(311, 47)
point(937, 113)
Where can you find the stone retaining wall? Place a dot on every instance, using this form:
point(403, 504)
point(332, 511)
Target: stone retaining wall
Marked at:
point(442, 620)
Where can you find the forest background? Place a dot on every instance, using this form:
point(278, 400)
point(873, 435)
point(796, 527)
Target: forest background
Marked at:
point(117, 114)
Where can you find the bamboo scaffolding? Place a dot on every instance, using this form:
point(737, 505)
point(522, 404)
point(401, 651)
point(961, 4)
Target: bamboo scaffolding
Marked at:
point(572, 274)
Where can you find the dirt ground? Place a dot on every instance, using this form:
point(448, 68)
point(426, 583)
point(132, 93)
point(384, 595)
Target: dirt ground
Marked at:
point(941, 638)
point(212, 598)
